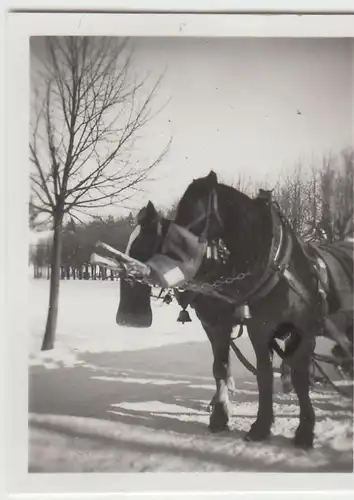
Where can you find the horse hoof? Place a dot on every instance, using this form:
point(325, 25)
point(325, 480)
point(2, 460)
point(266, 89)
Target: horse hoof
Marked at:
point(303, 440)
point(216, 430)
point(257, 433)
point(251, 436)
point(219, 418)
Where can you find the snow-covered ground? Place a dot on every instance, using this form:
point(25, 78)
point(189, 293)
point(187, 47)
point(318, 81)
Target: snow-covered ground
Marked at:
point(87, 311)
point(113, 399)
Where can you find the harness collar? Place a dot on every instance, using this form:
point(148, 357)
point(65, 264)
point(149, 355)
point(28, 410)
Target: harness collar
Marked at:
point(278, 258)
point(278, 262)
point(276, 267)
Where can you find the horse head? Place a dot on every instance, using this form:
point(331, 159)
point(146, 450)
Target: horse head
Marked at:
point(214, 210)
point(145, 240)
point(198, 209)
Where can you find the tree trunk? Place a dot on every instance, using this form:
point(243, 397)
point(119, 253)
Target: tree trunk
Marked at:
point(50, 330)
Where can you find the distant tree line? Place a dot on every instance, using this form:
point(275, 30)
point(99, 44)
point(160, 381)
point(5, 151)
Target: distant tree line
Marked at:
point(318, 201)
point(78, 244)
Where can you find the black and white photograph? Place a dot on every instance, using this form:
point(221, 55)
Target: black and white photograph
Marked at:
point(190, 262)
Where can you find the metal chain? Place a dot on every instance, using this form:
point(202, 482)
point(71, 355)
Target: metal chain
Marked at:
point(219, 283)
point(214, 289)
point(210, 289)
point(229, 281)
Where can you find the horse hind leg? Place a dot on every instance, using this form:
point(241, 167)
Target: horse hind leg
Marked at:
point(260, 429)
point(300, 376)
point(291, 339)
point(285, 377)
point(288, 333)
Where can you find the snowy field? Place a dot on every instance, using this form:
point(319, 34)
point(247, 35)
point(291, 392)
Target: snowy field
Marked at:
point(113, 399)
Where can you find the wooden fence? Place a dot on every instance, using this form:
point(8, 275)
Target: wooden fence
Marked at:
point(84, 272)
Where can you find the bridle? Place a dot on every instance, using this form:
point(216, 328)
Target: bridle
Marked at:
point(160, 236)
point(211, 211)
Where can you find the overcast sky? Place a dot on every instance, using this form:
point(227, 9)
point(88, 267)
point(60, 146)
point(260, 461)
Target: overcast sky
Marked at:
point(244, 106)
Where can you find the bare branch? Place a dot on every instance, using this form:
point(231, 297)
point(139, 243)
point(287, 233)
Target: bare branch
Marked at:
point(93, 110)
point(34, 159)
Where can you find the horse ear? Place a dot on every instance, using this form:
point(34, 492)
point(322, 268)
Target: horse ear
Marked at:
point(150, 205)
point(147, 214)
point(150, 209)
point(212, 178)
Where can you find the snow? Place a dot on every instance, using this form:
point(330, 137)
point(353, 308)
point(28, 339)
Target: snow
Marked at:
point(169, 450)
point(87, 323)
point(142, 380)
point(157, 407)
point(114, 399)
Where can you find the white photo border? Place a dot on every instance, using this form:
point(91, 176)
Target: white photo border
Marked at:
point(19, 28)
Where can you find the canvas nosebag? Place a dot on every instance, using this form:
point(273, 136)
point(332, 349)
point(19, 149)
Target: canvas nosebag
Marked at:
point(180, 258)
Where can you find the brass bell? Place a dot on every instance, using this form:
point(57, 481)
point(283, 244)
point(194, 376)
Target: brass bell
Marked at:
point(184, 317)
point(243, 312)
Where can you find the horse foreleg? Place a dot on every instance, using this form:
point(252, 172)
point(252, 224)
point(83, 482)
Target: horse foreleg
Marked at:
point(260, 429)
point(221, 370)
point(229, 382)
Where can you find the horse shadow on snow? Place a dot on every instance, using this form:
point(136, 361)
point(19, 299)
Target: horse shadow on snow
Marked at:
point(162, 389)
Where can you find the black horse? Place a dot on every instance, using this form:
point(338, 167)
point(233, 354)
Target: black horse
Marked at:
point(281, 290)
point(269, 270)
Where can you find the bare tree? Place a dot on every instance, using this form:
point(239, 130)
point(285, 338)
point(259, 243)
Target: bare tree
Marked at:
point(337, 184)
point(290, 192)
point(245, 184)
point(312, 203)
point(88, 113)
point(318, 201)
